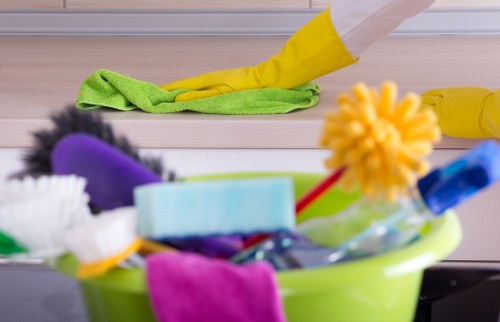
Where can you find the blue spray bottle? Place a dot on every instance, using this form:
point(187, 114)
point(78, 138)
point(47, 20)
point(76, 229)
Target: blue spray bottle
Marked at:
point(367, 228)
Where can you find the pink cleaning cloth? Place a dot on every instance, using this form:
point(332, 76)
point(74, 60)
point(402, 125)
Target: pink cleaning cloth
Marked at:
point(186, 287)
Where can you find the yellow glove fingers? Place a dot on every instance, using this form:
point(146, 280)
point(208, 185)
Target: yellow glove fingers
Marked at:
point(314, 50)
point(189, 96)
point(189, 83)
point(212, 80)
point(172, 86)
point(468, 112)
point(491, 114)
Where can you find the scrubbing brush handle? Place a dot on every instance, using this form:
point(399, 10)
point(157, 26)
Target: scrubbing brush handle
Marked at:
point(318, 190)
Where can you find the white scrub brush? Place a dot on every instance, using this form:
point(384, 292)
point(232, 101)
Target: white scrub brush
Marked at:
point(104, 241)
point(37, 212)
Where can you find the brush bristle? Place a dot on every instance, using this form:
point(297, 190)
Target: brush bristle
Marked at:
point(38, 159)
point(37, 212)
point(103, 236)
point(104, 241)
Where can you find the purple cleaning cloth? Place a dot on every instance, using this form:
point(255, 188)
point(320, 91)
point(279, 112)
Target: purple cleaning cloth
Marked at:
point(111, 174)
point(186, 287)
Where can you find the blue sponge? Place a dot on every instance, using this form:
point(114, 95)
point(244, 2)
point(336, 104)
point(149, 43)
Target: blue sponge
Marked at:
point(216, 207)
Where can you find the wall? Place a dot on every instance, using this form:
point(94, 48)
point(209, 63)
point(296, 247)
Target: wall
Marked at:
point(437, 4)
point(215, 4)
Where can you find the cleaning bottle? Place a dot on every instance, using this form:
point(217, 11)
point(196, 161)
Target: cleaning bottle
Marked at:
point(371, 227)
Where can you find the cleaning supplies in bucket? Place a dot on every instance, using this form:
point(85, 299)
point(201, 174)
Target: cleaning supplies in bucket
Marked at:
point(383, 143)
point(211, 217)
point(385, 226)
point(368, 228)
point(213, 246)
point(379, 144)
point(287, 250)
point(191, 288)
point(36, 212)
point(314, 295)
point(38, 159)
point(216, 207)
point(104, 241)
point(379, 147)
point(111, 174)
point(9, 246)
point(83, 144)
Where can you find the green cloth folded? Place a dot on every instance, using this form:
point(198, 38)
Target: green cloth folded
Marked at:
point(108, 89)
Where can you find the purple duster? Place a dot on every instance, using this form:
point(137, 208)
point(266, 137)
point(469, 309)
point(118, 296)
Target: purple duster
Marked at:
point(111, 174)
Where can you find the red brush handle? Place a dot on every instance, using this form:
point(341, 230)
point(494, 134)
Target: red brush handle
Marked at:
point(304, 201)
point(318, 190)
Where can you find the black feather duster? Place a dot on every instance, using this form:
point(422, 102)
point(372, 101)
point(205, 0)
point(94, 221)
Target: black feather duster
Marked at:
point(37, 160)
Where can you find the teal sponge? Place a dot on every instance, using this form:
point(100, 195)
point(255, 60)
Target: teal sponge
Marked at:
point(215, 207)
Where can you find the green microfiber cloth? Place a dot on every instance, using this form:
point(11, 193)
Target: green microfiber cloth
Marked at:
point(105, 88)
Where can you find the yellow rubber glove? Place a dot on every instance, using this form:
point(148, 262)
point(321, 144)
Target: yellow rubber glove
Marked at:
point(312, 51)
point(468, 112)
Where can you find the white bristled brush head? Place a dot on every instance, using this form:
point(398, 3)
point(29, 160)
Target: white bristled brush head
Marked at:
point(37, 212)
point(104, 241)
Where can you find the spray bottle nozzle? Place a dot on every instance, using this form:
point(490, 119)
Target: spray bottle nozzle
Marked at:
point(445, 187)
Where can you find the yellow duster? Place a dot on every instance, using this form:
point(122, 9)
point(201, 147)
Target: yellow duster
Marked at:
point(382, 143)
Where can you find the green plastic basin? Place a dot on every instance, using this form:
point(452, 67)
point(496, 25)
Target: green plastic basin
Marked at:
point(382, 288)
